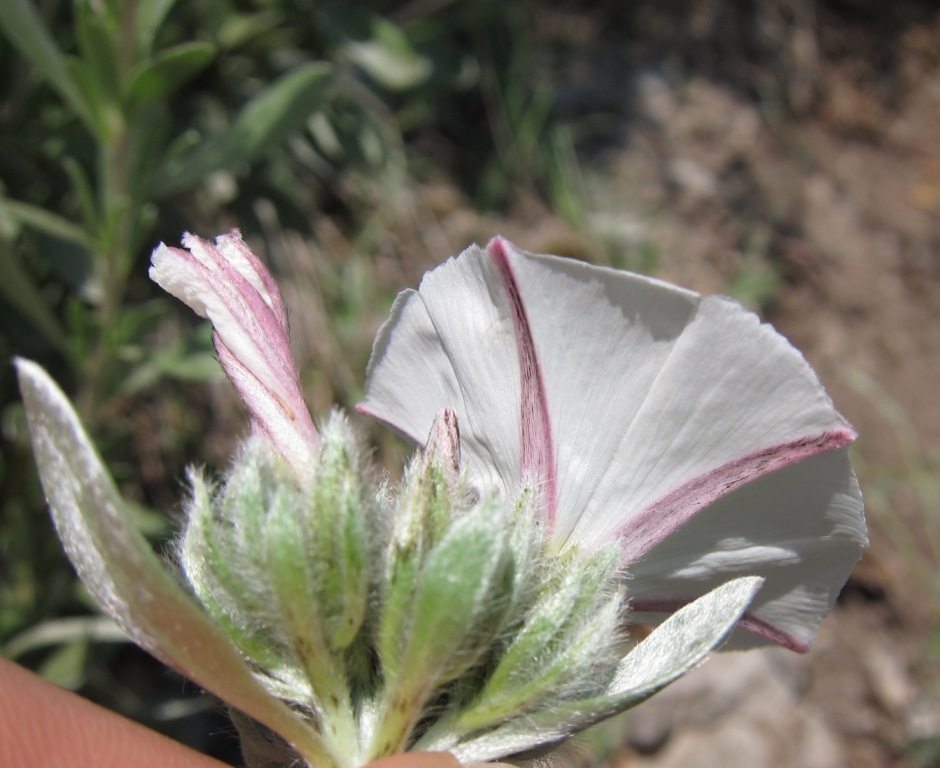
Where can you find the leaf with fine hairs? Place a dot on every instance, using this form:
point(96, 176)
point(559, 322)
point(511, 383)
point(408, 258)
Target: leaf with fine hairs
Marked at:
point(672, 649)
point(124, 575)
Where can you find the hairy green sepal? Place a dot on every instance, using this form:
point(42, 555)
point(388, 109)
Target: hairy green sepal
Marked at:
point(343, 621)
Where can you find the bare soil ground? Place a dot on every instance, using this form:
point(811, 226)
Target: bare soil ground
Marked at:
point(788, 153)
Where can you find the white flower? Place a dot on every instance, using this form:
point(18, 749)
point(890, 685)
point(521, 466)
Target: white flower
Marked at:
point(230, 286)
point(679, 425)
point(344, 617)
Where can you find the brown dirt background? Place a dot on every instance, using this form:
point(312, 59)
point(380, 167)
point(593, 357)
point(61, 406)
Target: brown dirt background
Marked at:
point(801, 141)
point(788, 153)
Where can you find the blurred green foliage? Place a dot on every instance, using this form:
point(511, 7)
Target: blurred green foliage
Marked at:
point(910, 483)
point(124, 122)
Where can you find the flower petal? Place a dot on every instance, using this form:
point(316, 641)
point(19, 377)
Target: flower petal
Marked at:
point(661, 402)
point(800, 526)
point(536, 449)
point(121, 571)
point(230, 286)
point(512, 439)
point(451, 345)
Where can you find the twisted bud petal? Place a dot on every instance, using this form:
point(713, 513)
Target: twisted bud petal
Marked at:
point(226, 283)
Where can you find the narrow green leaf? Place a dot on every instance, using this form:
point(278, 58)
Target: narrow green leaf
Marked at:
point(559, 668)
point(176, 361)
point(389, 59)
point(27, 32)
point(66, 666)
point(424, 511)
point(300, 616)
point(291, 580)
point(569, 637)
point(125, 576)
point(104, 112)
point(18, 289)
point(396, 610)
point(150, 17)
point(160, 76)
point(239, 29)
point(680, 642)
point(84, 194)
point(451, 591)
point(44, 221)
point(274, 114)
point(97, 33)
point(549, 651)
point(338, 535)
point(97, 629)
point(221, 591)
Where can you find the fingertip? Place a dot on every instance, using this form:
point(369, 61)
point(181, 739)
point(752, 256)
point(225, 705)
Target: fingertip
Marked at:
point(46, 725)
point(418, 760)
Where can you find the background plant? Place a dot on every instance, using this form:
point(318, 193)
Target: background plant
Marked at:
point(127, 122)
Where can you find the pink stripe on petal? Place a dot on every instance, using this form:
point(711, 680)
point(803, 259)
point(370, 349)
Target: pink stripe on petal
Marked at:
point(286, 425)
point(748, 621)
point(246, 338)
point(536, 452)
point(642, 531)
point(268, 353)
point(266, 327)
point(259, 272)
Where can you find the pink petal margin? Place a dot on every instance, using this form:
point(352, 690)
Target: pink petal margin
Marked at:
point(644, 530)
point(536, 449)
point(748, 621)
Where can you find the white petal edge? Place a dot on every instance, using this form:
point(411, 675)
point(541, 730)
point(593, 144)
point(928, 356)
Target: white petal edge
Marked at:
point(124, 575)
point(451, 344)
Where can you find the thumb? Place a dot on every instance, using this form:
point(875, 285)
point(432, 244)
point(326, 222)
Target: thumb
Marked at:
point(429, 760)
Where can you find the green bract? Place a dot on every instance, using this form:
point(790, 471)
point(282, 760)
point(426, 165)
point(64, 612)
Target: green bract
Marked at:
point(344, 621)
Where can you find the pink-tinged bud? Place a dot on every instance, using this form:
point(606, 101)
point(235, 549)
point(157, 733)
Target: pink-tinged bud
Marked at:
point(230, 286)
point(443, 445)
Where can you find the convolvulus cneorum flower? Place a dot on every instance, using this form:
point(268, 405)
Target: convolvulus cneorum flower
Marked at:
point(598, 448)
point(675, 424)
